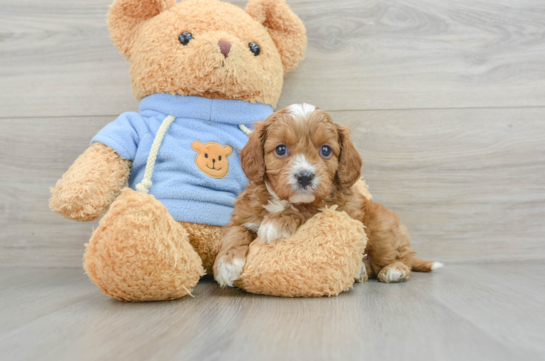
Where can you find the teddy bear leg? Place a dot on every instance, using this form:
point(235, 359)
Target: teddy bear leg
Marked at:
point(140, 253)
point(205, 239)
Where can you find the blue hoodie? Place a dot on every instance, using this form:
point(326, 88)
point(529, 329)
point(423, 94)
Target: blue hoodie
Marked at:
point(191, 187)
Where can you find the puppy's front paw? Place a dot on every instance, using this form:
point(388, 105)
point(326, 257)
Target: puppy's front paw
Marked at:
point(273, 230)
point(362, 275)
point(228, 270)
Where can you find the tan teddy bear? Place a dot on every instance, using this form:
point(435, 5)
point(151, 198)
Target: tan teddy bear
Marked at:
point(204, 71)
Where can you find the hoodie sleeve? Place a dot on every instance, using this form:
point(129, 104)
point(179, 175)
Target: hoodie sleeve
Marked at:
point(122, 135)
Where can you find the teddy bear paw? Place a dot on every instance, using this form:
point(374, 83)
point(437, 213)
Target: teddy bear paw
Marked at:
point(228, 271)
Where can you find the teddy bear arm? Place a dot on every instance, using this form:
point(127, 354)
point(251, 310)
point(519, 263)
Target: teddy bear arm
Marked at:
point(91, 184)
point(362, 188)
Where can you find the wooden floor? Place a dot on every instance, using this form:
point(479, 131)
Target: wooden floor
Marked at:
point(461, 312)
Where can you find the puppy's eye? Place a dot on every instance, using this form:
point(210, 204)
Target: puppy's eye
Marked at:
point(185, 37)
point(325, 151)
point(254, 48)
point(281, 150)
point(219, 158)
point(206, 155)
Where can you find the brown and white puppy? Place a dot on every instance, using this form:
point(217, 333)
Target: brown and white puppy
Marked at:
point(297, 161)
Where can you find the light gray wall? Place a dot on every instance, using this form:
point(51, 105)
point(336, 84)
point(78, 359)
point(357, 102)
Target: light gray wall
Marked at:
point(446, 101)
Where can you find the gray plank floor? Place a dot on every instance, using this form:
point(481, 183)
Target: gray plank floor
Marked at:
point(462, 312)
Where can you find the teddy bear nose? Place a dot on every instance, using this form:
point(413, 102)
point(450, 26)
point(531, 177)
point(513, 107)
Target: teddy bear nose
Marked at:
point(225, 47)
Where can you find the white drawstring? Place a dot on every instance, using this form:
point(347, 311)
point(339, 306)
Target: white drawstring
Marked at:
point(245, 129)
point(146, 183)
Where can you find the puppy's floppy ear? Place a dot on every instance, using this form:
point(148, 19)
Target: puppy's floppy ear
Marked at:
point(286, 29)
point(126, 16)
point(350, 162)
point(252, 158)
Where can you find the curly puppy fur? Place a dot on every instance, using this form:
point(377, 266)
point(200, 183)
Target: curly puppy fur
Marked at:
point(299, 161)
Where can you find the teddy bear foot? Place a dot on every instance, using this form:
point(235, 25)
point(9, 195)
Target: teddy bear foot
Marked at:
point(140, 253)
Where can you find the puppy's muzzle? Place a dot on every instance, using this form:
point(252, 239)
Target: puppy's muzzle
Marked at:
point(304, 179)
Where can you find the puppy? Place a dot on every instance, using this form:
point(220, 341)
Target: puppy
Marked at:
point(299, 161)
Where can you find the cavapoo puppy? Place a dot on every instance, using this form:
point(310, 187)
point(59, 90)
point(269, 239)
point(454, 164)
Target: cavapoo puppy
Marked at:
point(298, 161)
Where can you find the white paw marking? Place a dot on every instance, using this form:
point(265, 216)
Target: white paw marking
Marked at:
point(252, 226)
point(269, 232)
point(393, 275)
point(299, 112)
point(436, 265)
point(228, 272)
point(360, 276)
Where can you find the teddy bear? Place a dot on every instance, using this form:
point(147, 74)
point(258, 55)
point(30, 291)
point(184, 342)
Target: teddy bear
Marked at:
point(204, 72)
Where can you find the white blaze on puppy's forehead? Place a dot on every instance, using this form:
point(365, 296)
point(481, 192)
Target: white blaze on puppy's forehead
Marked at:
point(300, 111)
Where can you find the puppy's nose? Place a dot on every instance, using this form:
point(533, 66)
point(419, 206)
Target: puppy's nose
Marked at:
point(304, 179)
point(225, 47)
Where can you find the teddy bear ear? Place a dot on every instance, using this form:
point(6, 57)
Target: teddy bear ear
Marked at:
point(228, 150)
point(197, 146)
point(126, 16)
point(285, 28)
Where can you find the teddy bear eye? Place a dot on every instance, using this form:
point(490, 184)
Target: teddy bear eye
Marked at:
point(206, 155)
point(185, 37)
point(219, 158)
point(254, 48)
